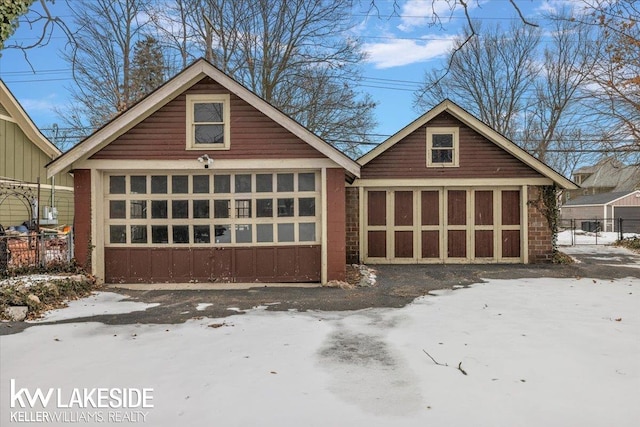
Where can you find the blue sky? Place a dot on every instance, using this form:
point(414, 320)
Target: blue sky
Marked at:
point(401, 47)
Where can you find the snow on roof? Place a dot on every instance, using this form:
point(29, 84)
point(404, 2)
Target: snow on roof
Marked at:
point(599, 199)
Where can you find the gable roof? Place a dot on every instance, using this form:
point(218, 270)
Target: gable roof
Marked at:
point(16, 114)
point(480, 127)
point(600, 199)
point(170, 90)
point(611, 173)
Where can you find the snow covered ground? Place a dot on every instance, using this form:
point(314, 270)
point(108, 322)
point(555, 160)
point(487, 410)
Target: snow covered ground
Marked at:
point(536, 352)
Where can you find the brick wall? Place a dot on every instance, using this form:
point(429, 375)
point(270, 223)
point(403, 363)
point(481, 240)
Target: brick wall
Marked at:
point(353, 225)
point(540, 238)
point(82, 217)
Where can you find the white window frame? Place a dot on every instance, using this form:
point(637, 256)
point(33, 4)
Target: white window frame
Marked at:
point(455, 133)
point(225, 99)
point(233, 220)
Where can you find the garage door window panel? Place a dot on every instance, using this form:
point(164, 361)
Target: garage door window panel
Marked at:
point(212, 209)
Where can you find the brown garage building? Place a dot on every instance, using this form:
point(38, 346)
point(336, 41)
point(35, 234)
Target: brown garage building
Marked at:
point(204, 181)
point(449, 189)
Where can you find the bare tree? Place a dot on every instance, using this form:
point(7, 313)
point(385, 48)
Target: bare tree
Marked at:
point(489, 75)
point(102, 57)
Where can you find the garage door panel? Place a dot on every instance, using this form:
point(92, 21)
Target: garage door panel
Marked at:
point(483, 209)
point(403, 244)
point(377, 244)
point(244, 268)
point(286, 262)
point(265, 263)
point(430, 207)
point(431, 244)
point(484, 244)
point(511, 243)
point(116, 265)
point(377, 208)
point(161, 264)
point(403, 208)
point(140, 265)
point(510, 207)
point(457, 244)
point(457, 207)
point(309, 264)
point(181, 264)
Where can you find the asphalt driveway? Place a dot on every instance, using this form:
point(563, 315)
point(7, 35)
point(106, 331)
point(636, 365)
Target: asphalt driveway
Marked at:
point(395, 286)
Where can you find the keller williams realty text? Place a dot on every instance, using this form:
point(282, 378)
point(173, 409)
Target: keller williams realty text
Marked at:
point(70, 417)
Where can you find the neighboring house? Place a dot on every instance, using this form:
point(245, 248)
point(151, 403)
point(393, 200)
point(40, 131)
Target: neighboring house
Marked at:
point(24, 153)
point(609, 175)
point(202, 180)
point(603, 211)
point(448, 188)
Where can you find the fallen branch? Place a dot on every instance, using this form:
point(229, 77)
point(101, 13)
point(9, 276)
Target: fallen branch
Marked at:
point(444, 364)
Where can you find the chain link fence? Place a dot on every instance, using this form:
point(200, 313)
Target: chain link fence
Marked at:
point(596, 231)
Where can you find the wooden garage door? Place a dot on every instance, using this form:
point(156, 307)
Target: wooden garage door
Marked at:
point(453, 225)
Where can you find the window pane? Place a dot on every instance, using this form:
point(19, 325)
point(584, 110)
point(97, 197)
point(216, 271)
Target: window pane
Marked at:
point(243, 183)
point(180, 234)
point(118, 234)
point(117, 209)
point(307, 206)
point(201, 234)
point(138, 234)
point(307, 232)
point(201, 209)
point(221, 208)
point(117, 185)
point(179, 184)
point(264, 208)
point(264, 183)
point(158, 209)
point(285, 182)
point(138, 209)
point(243, 233)
point(285, 232)
point(159, 234)
point(201, 184)
point(222, 184)
point(285, 207)
point(180, 209)
point(223, 233)
point(307, 182)
point(442, 156)
point(209, 134)
point(138, 185)
point(442, 140)
point(208, 112)
point(265, 232)
point(158, 185)
point(243, 208)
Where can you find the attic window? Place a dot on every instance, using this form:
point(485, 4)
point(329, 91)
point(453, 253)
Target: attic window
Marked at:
point(442, 147)
point(208, 119)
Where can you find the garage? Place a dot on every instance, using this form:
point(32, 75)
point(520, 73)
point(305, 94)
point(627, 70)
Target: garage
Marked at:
point(449, 189)
point(203, 181)
point(436, 225)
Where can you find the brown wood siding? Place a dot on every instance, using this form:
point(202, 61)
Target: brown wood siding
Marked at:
point(336, 225)
point(457, 243)
point(257, 264)
point(403, 208)
point(479, 157)
point(163, 134)
point(511, 243)
point(82, 217)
